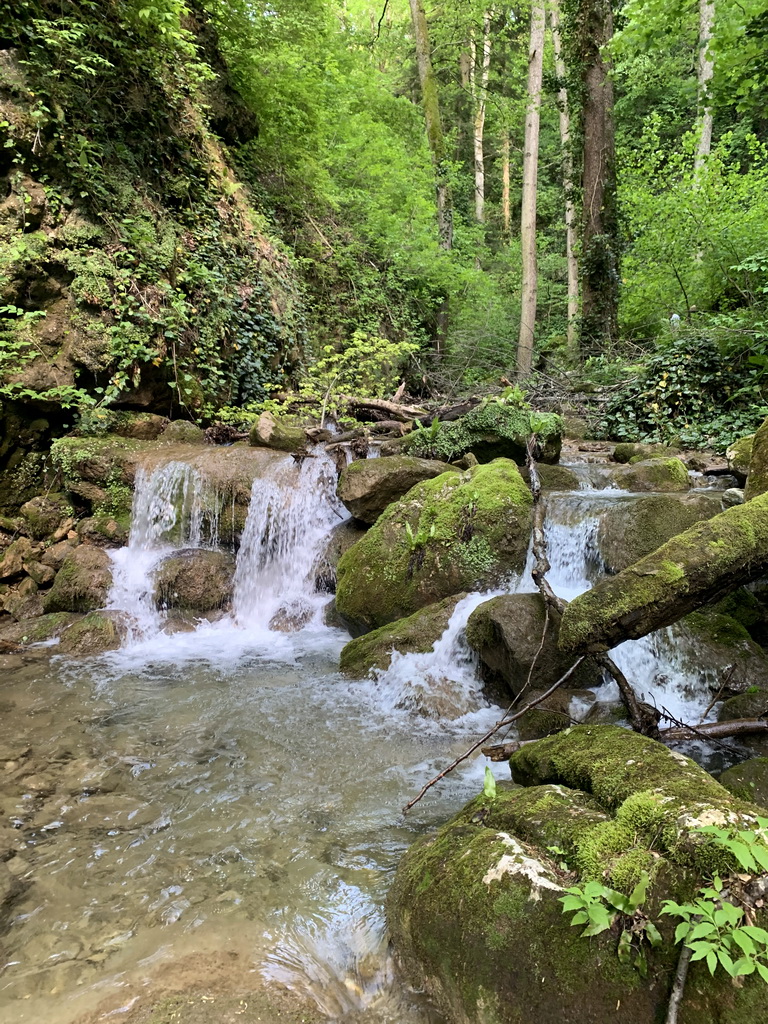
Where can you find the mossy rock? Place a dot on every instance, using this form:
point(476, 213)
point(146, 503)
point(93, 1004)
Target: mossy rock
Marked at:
point(664, 475)
point(554, 478)
point(757, 476)
point(276, 432)
point(82, 583)
point(38, 630)
point(415, 634)
point(748, 780)
point(752, 703)
point(182, 432)
point(738, 455)
point(475, 912)
point(724, 647)
point(44, 514)
point(95, 633)
point(368, 486)
point(457, 533)
point(629, 452)
point(195, 580)
point(629, 530)
point(557, 712)
point(508, 633)
point(98, 460)
point(340, 539)
point(490, 431)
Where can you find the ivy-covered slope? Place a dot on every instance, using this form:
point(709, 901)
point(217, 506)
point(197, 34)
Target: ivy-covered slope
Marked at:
point(133, 269)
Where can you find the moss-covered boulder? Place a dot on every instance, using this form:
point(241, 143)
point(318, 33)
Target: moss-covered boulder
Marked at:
point(415, 634)
point(705, 562)
point(367, 486)
point(35, 631)
point(490, 431)
point(82, 583)
point(631, 452)
point(508, 633)
point(95, 633)
point(554, 478)
point(274, 432)
point(98, 460)
point(752, 703)
point(182, 432)
point(757, 476)
point(340, 539)
point(459, 532)
point(475, 911)
point(738, 455)
point(23, 601)
point(195, 580)
point(725, 651)
point(662, 475)
point(43, 514)
point(628, 530)
point(748, 780)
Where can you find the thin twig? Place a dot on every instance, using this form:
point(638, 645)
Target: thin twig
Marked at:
point(717, 696)
point(678, 988)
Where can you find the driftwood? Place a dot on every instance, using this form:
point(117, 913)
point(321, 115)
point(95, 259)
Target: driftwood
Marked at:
point(380, 405)
point(715, 730)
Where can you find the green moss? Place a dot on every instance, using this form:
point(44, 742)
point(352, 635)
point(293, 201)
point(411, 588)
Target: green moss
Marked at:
point(757, 479)
point(489, 431)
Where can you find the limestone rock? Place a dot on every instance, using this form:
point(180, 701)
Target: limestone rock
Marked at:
point(195, 580)
point(142, 426)
point(459, 532)
point(181, 432)
point(37, 630)
point(40, 573)
point(95, 633)
point(627, 452)
point(23, 602)
point(273, 432)
point(732, 496)
point(82, 583)
point(557, 712)
point(368, 486)
point(43, 514)
point(14, 557)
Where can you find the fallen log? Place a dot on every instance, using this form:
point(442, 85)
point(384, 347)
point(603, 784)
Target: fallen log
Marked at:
point(702, 564)
point(715, 730)
point(379, 405)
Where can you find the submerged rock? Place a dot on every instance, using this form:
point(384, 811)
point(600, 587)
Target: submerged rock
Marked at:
point(82, 583)
point(194, 580)
point(368, 486)
point(659, 474)
point(559, 711)
point(475, 912)
point(415, 634)
point(509, 636)
point(459, 532)
point(490, 431)
point(628, 530)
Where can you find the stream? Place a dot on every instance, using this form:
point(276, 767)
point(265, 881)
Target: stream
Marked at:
point(219, 788)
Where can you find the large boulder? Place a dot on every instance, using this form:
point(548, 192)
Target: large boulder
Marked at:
point(195, 580)
point(274, 432)
point(748, 780)
point(490, 431)
point(459, 532)
point(368, 486)
point(723, 651)
point(631, 452)
point(475, 910)
point(757, 476)
point(508, 633)
point(628, 530)
point(659, 474)
point(415, 634)
point(82, 583)
point(738, 455)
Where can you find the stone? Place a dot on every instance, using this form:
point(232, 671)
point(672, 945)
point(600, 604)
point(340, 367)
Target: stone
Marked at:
point(636, 451)
point(757, 476)
point(559, 711)
point(752, 703)
point(272, 432)
point(629, 530)
point(38, 630)
point(415, 634)
point(368, 486)
point(181, 432)
point(457, 533)
point(103, 531)
point(105, 461)
point(507, 634)
point(490, 431)
point(142, 426)
point(738, 455)
point(14, 557)
point(82, 583)
point(724, 650)
point(291, 618)
point(43, 514)
point(195, 580)
point(732, 496)
point(659, 474)
point(340, 539)
point(23, 602)
point(575, 427)
point(95, 633)
point(103, 813)
point(54, 555)
point(748, 780)
point(40, 573)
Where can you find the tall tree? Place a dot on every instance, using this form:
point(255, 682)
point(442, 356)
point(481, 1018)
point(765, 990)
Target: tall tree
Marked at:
point(479, 72)
point(592, 29)
point(431, 104)
point(567, 162)
point(530, 185)
point(705, 70)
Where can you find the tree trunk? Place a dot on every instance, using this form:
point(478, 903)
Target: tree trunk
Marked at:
point(505, 201)
point(570, 206)
point(705, 72)
point(435, 135)
point(478, 80)
point(530, 179)
point(599, 249)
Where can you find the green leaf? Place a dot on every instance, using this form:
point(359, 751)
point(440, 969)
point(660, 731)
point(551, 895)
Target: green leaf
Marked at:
point(711, 962)
point(639, 892)
point(654, 935)
point(743, 940)
point(681, 932)
point(624, 950)
point(726, 962)
point(489, 785)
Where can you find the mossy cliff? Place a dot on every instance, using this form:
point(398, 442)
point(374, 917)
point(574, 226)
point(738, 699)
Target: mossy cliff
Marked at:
point(474, 910)
point(459, 532)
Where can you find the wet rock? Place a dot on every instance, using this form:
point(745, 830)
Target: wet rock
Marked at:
point(415, 634)
point(559, 711)
point(627, 452)
point(54, 555)
point(103, 531)
point(340, 539)
point(660, 474)
point(555, 478)
point(331, 617)
point(82, 583)
point(628, 530)
point(757, 478)
point(748, 780)
point(368, 486)
point(291, 618)
point(272, 432)
point(39, 629)
point(507, 633)
point(738, 455)
point(11, 750)
point(752, 703)
point(42, 515)
point(575, 427)
point(727, 650)
point(732, 496)
point(108, 813)
point(182, 432)
point(40, 573)
point(490, 431)
point(24, 602)
point(85, 777)
point(195, 580)
point(475, 913)
point(95, 633)
point(457, 533)
point(14, 557)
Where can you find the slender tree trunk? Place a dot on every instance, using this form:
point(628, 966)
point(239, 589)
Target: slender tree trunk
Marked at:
point(599, 248)
point(435, 135)
point(705, 71)
point(530, 180)
point(506, 215)
point(570, 206)
point(479, 87)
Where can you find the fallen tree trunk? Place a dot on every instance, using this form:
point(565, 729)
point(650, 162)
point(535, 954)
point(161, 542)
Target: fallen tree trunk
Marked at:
point(381, 405)
point(715, 730)
point(701, 564)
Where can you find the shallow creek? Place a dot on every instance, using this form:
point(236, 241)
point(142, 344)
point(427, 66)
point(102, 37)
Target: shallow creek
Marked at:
point(224, 790)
